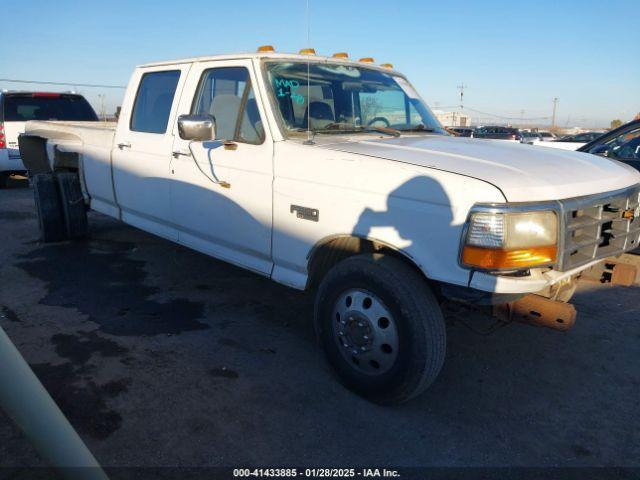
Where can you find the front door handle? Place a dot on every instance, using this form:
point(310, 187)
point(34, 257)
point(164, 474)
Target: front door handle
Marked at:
point(179, 153)
point(124, 145)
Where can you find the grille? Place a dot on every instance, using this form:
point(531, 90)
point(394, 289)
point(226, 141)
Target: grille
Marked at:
point(599, 227)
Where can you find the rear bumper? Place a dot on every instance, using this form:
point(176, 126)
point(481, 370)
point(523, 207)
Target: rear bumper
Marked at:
point(10, 160)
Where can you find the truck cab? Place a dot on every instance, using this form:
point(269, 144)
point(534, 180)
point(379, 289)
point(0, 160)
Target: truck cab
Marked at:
point(334, 176)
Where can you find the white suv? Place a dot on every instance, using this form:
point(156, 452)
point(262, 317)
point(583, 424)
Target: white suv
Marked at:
point(16, 108)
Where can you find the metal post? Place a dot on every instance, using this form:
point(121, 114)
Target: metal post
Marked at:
point(28, 404)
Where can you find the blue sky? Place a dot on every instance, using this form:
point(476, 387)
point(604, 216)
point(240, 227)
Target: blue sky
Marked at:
point(513, 56)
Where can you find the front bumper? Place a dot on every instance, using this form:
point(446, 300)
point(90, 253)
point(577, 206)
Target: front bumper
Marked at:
point(591, 228)
point(537, 280)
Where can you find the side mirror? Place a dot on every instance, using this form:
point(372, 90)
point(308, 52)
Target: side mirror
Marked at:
point(199, 128)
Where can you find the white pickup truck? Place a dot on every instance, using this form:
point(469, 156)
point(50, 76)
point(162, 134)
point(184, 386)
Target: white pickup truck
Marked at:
point(329, 174)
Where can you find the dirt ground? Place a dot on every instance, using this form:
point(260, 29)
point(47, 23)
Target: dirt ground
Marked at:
point(161, 356)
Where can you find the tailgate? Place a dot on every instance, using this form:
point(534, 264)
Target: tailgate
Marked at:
point(11, 132)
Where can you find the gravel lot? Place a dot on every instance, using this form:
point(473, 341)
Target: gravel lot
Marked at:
point(162, 356)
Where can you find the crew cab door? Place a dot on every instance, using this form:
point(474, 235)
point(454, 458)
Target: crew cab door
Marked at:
point(221, 196)
point(142, 152)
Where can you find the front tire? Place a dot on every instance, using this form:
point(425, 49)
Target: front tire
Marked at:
point(381, 328)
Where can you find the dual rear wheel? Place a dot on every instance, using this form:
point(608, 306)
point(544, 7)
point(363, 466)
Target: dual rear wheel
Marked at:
point(62, 214)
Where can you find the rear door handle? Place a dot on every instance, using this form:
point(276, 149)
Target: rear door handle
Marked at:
point(124, 145)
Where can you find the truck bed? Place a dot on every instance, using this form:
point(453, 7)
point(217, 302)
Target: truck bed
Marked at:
point(82, 146)
point(83, 138)
point(88, 133)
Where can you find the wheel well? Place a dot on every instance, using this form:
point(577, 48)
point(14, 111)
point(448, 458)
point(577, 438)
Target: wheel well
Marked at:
point(330, 253)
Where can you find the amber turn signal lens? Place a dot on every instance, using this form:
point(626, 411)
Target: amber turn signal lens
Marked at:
point(367, 60)
point(266, 48)
point(494, 259)
point(307, 51)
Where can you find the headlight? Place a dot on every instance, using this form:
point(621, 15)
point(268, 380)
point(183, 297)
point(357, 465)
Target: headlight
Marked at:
point(511, 240)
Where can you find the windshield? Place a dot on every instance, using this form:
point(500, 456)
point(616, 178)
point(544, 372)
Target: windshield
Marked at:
point(339, 98)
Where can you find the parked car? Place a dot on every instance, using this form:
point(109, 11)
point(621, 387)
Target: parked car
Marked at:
point(546, 136)
point(530, 137)
point(622, 144)
point(16, 108)
point(261, 160)
point(462, 131)
point(498, 133)
point(572, 142)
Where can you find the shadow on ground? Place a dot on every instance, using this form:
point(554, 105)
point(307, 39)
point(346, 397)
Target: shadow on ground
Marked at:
point(162, 356)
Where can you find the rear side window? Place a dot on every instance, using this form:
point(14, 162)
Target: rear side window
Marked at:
point(47, 106)
point(153, 101)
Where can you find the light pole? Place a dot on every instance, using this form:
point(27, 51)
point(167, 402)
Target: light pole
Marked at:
point(103, 114)
point(553, 116)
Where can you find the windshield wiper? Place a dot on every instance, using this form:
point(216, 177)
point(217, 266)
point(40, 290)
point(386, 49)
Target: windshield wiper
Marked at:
point(340, 127)
point(388, 130)
point(418, 128)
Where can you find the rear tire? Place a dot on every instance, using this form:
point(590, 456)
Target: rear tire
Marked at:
point(49, 208)
point(72, 204)
point(4, 179)
point(381, 328)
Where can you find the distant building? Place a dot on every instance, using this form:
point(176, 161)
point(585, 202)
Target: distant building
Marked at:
point(453, 119)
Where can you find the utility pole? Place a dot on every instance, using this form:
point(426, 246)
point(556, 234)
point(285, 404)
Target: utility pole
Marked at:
point(461, 87)
point(553, 116)
point(103, 113)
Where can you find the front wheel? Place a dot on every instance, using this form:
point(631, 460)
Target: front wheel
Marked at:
point(381, 328)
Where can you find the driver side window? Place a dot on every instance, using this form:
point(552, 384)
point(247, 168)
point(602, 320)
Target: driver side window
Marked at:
point(227, 95)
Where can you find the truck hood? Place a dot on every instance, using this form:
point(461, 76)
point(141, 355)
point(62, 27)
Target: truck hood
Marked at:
point(523, 173)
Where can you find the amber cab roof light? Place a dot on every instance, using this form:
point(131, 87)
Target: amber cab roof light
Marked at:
point(266, 48)
point(307, 51)
point(386, 65)
point(367, 60)
point(340, 55)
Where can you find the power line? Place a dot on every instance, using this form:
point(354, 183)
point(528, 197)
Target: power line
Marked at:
point(36, 82)
point(506, 117)
point(494, 115)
